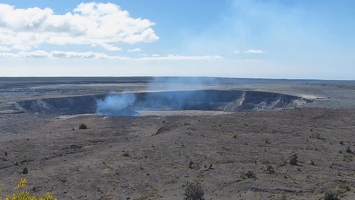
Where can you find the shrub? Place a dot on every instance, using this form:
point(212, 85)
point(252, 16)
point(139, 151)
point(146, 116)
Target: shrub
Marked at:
point(25, 194)
point(345, 186)
point(83, 126)
point(247, 175)
point(338, 192)
point(270, 169)
point(331, 195)
point(125, 154)
point(194, 191)
point(348, 150)
point(312, 162)
point(347, 158)
point(293, 159)
point(315, 135)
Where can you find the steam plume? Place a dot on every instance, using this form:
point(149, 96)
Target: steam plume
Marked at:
point(116, 105)
point(161, 94)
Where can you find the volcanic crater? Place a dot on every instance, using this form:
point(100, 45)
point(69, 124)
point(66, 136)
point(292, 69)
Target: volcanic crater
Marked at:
point(130, 103)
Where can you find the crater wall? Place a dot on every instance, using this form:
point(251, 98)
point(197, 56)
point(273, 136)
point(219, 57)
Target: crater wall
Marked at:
point(209, 100)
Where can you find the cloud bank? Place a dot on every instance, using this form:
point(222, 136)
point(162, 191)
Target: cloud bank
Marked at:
point(94, 55)
point(95, 24)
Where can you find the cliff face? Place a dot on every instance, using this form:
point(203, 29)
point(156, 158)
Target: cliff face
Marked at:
point(252, 100)
point(211, 100)
point(65, 105)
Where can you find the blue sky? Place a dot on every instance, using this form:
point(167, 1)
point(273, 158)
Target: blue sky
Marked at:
point(303, 39)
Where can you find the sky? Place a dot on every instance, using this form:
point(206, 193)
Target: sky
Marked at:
point(278, 39)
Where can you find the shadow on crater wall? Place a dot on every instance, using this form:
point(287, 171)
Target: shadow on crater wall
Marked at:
point(209, 100)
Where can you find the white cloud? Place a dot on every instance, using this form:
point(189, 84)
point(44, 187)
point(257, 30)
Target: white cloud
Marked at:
point(178, 57)
point(55, 54)
point(236, 52)
point(4, 48)
point(135, 50)
point(156, 55)
point(63, 54)
point(95, 24)
point(33, 54)
point(254, 51)
point(8, 55)
point(111, 47)
point(93, 55)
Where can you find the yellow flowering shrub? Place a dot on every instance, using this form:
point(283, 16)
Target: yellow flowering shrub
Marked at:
point(25, 194)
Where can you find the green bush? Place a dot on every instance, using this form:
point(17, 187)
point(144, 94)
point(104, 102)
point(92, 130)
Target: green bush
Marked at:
point(194, 191)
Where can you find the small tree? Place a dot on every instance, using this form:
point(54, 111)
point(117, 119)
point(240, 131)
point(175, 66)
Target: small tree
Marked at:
point(194, 191)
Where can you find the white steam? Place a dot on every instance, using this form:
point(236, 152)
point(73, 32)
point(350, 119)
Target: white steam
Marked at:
point(162, 92)
point(116, 105)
